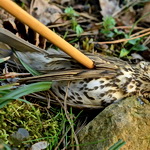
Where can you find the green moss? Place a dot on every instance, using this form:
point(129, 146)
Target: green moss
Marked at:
point(34, 119)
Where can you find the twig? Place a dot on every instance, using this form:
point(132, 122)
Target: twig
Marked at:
point(57, 99)
point(82, 34)
point(65, 106)
point(56, 148)
point(137, 33)
point(128, 27)
point(147, 41)
point(122, 40)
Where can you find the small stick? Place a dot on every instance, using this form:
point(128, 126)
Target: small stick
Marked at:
point(122, 40)
point(37, 26)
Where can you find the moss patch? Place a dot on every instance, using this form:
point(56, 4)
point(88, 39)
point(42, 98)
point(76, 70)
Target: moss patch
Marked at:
point(40, 123)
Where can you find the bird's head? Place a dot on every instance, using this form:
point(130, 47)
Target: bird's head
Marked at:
point(144, 68)
point(144, 76)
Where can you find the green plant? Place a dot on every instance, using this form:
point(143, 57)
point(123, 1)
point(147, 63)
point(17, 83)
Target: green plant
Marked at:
point(117, 145)
point(108, 24)
point(88, 45)
point(132, 45)
point(71, 14)
point(32, 119)
point(7, 95)
point(110, 31)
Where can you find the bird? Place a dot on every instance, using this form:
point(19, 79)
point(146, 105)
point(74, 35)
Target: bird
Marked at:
point(111, 80)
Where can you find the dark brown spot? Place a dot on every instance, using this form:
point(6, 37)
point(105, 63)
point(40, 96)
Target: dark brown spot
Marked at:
point(130, 69)
point(131, 86)
point(102, 94)
point(110, 95)
point(117, 80)
point(81, 82)
point(126, 69)
point(101, 82)
point(72, 97)
point(86, 94)
point(79, 102)
point(113, 99)
point(81, 89)
point(84, 85)
point(77, 94)
point(69, 99)
point(79, 98)
point(61, 91)
point(102, 86)
point(73, 93)
point(104, 103)
point(96, 87)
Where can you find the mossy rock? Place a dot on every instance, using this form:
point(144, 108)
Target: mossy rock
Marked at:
point(128, 120)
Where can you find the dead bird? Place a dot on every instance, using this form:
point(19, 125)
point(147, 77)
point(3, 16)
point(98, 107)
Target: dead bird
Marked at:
point(111, 80)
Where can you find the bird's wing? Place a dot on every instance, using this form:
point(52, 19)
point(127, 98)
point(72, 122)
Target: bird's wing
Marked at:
point(72, 75)
point(56, 65)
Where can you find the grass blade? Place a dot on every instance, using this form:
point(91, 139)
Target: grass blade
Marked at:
point(117, 145)
point(25, 90)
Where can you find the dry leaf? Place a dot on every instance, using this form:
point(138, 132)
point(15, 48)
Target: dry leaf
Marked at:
point(39, 145)
point(146, 10)
point(46, 13)
point(109, 7)
point(4, 15)
point(25, 33)
point(128, 18)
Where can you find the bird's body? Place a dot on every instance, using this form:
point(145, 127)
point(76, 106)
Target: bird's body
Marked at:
point(102, 91)
point(111, 80)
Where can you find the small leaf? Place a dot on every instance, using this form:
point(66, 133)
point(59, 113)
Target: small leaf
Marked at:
point(139, 47)
point(107, 33)
point(124, 52)
point(134, 41)
point(79, 30)
point(110, 34)
point(70, 12)
point(109, 22)
point(119, 32)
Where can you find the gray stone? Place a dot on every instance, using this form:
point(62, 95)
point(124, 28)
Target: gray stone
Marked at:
point(128, 120)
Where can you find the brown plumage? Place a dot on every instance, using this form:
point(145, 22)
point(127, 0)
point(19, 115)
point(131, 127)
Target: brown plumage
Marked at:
point(111, 80)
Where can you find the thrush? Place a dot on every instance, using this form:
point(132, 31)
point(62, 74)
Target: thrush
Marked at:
point(111, 80)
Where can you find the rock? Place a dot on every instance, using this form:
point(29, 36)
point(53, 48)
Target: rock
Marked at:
point(128, 120)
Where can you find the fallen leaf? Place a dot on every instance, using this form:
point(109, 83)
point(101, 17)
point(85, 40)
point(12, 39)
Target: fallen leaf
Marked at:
point(40, 145)
point(18, 137)
point(4, 15)
point(46, 13)
point(109, 7)
point(128, 18)
point(145, 12)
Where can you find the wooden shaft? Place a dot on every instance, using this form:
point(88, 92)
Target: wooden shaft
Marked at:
point(37, 26)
